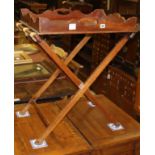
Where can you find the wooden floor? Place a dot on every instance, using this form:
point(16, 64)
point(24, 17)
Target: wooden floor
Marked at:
point(83, 132)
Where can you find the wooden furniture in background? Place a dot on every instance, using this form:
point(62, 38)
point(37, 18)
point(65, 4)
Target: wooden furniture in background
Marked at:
point(128, 57)
point(121, 89)
point(21, 58)
point(128, 7)
point(30, 77)
point(76, 5)
point(27, 48)
point(61, 88)
point(124, 68)
point(118, 86)
point(33, 5)
point(102, 44)
point(137, 100)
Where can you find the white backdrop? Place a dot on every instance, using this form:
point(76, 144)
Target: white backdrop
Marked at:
point(147, 77)
point(6, 77)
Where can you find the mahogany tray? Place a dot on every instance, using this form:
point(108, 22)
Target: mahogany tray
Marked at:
point(65, 21)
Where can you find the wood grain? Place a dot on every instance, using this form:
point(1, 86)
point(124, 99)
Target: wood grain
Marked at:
point(93, 126)
point(63, 141)
point(84, 132)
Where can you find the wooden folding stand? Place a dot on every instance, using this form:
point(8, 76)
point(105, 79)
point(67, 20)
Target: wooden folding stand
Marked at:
point(83, 88)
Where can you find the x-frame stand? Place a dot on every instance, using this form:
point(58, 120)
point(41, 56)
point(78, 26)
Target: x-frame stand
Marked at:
point(62, 66)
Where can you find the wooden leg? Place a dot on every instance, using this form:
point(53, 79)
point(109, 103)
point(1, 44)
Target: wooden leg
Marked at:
point(52, 79)
point(89, 95)
point(73, 77)
point(83, 88)
point(57, 72)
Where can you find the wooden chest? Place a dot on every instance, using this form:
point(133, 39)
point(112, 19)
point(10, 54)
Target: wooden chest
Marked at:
point(93, 126)
point(65, 140)
point(83, 132)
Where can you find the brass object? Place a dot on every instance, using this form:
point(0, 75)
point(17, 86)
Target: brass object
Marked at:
point(59, 51)
point(31, 71)
point(21, 58)
point(28, 48)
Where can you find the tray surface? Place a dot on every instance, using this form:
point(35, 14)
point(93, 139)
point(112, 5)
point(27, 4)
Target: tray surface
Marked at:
point(62, 21)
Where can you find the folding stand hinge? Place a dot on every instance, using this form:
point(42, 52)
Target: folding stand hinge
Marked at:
point(17, 99)
point(33, 100)
point(91, 104)
point(37, 145)
point(32, 35)
point(19, 114)
point(35, 37)
point(81, 85)
point(25, 30)
point(115, 126)
point(132, 35)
